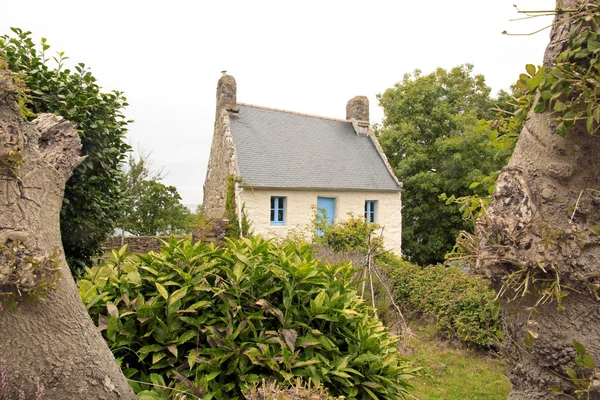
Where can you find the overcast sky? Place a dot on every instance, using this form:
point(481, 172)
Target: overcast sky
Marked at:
point(306, 56)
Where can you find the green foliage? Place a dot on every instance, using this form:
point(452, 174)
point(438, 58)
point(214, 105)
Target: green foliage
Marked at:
point(158, 211)
point(463, 306)
point(235, 230)
point(432, 139)
point(219, 320)
point(570, 89)
point(93, 195)
point(353, 234)
point(151, 208)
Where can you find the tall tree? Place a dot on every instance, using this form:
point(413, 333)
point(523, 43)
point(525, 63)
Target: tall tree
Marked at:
point(539, 241)
point(433, 141)
point(93, 196)
point(49, 347)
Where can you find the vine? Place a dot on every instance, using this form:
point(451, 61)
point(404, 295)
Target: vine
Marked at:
point(234, 229)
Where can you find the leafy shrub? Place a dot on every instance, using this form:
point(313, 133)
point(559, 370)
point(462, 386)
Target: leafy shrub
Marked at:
point(216, 321)
point(463, 305)
point(354, 234)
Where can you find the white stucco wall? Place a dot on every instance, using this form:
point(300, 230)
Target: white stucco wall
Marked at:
point(299, 213)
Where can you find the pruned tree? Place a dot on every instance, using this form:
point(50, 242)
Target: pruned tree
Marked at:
point(539, 239)
point(49, 347)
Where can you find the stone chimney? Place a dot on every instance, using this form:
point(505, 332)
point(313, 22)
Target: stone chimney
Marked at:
point(358, 109)
point(226, 94)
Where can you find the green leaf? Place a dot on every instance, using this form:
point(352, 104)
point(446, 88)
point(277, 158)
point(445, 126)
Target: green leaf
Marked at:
point(157, 380)
point(370, 393)
point(530, 68)
point(149, 395)
point(588, 361)
point(149, 348)
point(186, 336)
point(177, 295)
point(341, 374)
point(589, 124)
point(571, 372)
point(593, 46)
point(156, 357)
point(161, 289)
point(579, 348)
point(111, 328)
point(212, 375)
point(530, 338)
point(533, 83)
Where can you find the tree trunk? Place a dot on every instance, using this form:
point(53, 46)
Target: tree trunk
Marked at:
point(537, 230)
point(49, 348)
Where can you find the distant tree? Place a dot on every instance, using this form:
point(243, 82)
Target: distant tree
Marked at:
point(157, 210)
point(195, 219)
point(151, 208)
point(435, 145)
point(93, 196)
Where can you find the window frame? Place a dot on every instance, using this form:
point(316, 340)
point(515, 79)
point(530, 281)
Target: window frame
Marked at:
point(371, 211)
point(277, 204)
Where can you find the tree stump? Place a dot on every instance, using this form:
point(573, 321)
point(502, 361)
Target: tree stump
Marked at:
point(49, 347)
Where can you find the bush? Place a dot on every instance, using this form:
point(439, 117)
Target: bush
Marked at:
point(216, 321)
point(354, 234)
point(463, 305)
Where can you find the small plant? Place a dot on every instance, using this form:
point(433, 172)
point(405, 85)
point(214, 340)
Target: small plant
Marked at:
point(581, 375)
point(353, 234)
point(215, 321)
point(23, 272)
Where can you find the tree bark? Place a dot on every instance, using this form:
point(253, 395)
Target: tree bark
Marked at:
point(545, 202)
point(49, 348)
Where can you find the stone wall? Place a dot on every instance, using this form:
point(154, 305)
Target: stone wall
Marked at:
point(136, 244)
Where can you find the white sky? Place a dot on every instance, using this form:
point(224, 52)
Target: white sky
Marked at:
point(307, 56)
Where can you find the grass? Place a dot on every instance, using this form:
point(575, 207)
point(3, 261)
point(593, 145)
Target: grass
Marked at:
point(453, 373)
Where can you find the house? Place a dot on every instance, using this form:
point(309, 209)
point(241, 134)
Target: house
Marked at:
point(286, 163)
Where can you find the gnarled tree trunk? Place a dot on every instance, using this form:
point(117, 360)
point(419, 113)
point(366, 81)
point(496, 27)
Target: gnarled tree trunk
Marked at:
point(539, 223)
point(49, 349)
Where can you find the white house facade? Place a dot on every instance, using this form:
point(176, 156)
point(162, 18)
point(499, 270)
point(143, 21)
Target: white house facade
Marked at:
point(288, 164)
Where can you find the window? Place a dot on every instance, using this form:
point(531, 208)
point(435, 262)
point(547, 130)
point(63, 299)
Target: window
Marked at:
point(277, 210)
point(371, 210)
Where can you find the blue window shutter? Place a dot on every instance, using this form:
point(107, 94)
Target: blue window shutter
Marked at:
point(371, 210)
point(278, 210)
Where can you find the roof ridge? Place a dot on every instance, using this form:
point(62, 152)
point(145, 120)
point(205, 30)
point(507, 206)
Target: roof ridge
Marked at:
point(292, 112)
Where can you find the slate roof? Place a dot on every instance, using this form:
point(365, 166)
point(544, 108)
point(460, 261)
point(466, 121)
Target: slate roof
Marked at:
point(280, 149)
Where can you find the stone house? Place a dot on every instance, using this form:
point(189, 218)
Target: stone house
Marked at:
point(286, 163)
